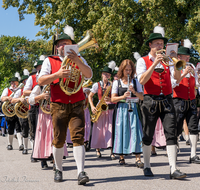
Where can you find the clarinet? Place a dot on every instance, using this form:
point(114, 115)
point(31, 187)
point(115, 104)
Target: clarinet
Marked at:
point(129, 102)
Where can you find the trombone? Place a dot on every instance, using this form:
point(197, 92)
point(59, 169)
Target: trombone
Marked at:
point(178, 64)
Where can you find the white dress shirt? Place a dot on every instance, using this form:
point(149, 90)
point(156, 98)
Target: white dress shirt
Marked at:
point(5, 91)
point(29, 83)
point(173, 81)
point(95, 87)
point(46, 67)
point(35, 92)
point(141, 66)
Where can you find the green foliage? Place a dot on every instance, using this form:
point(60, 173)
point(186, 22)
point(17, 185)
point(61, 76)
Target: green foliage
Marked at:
point(18, 53)
point(120, 26)
point(4, 84)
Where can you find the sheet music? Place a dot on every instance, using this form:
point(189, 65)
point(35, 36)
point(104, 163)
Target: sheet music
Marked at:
point(68, 47)
point(170, 47)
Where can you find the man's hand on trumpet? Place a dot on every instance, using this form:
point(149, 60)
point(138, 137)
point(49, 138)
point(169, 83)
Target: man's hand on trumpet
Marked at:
point(158, 59)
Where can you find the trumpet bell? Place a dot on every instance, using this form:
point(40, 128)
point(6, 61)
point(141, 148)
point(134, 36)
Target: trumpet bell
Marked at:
point(179, 64)
point(8, 109)
point(21, 110)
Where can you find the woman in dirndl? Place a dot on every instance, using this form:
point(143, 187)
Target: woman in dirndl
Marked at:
point(102, 128)
point(127, 132)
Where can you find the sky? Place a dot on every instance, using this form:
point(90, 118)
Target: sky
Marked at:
point(11, 26)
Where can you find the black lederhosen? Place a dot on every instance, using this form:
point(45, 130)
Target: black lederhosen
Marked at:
point(32, 119)
point(154, 107)
point(13, 123)
point(186, 109)
point(25, 126)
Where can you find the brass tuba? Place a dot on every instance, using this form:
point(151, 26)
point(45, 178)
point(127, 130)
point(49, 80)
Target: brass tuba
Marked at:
point(179, 64)
point(87, 42)
point(7, 107)
point(21, 109)
point(45, 104)
point(101, 106)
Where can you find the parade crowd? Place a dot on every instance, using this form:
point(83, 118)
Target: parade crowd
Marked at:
point(149, 104)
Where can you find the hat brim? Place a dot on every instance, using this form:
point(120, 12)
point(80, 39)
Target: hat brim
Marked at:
point(156, 38)
point(56, 41)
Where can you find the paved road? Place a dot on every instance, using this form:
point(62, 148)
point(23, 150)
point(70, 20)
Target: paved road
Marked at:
point(17, 172)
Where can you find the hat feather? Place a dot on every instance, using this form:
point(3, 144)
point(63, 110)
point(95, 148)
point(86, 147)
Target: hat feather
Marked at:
point(136, 55)
point(159, 29)
point(69, 31)
point(116, 68)
point(111, 65)
point(187, 43)
point(42, 57)
point(17, 75)
point(26, 72)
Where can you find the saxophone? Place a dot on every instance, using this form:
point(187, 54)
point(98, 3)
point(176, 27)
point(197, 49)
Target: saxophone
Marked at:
point(101, 106)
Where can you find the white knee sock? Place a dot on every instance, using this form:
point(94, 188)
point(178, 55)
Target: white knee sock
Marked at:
point(193, 144)
point(10, 139)
point(146, 155)
point(31, 142)
point(186, 137)
point(58, 156)
point(79, 155)
point(171, 151)
point(25, 143)
point(19, 138)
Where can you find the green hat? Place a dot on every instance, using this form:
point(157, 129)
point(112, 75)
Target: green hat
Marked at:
point(106, 69)
point(156, 36)
point(14, 79)
point(109, 68)
point(24, 77)
point(183, 51)
point(40, 61)
point(64, 36)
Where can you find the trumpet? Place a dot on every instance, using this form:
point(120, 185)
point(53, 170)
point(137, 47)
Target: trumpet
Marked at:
point(179, 64)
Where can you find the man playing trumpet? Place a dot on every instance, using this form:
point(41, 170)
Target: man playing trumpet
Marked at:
point(157, 102)
point(185, 100)
point(66, 110)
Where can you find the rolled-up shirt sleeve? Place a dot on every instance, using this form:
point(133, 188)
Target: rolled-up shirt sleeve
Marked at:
point(140, 68)
point(29, 84)
point(5, 92)
point(35, 92)
point(94, 88)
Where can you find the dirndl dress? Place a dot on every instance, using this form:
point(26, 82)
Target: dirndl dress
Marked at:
point(44, 137)
point(127, 133)
point(159, 139)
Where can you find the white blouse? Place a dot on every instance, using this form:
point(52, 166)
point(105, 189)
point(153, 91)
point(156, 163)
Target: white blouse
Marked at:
point(115, 86)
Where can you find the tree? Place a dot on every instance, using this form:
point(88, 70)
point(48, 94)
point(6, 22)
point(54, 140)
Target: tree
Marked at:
point(18, 53)
point(121, 27)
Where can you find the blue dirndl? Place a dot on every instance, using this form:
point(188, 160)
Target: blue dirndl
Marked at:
point(127, 135)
